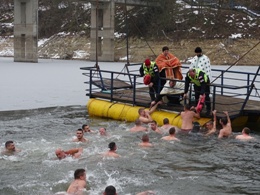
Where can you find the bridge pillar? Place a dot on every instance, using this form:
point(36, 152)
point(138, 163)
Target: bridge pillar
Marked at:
point(25, 30)
point(105, 23)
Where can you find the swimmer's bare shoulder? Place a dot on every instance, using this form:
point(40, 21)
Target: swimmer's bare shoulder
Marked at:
point(77, 187)
point(148, 192)
point(110, 154)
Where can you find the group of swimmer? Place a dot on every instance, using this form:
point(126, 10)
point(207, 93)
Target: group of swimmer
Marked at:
point(76, 152)
point(79, 184)
point(144, 123)
point(188, 115)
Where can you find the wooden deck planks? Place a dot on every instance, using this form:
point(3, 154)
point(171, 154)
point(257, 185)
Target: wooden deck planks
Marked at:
point(106, 84)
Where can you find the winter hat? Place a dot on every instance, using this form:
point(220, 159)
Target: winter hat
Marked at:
point(147, 62)
point(198, 50)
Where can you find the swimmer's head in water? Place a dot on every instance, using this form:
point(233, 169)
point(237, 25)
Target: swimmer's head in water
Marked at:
point(110, 190)
point(79, 133)
point(138, 122)
point(9, 145)
point(60, 154)
point(141, 111)
point(153, 125)
point(172, 131)
point(145, 138)
point(112, 146)
point(80, 174)
point(209, 125)
point(223, 120)
point(165, 121)
point(102, 131)
point(246, 130)
point(85, 128)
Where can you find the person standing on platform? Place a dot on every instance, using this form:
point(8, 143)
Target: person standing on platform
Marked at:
point(201, 86)
point(202, 62)
point(169, 65)
point(149, 70)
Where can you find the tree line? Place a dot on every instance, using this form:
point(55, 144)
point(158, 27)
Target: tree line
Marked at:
point(200, 19)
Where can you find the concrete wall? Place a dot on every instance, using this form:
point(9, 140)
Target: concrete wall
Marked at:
point(105, 22)
point(25, 30)
point(102, 45)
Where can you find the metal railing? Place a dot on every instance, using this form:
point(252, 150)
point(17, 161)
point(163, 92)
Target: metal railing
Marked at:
point(235, 86)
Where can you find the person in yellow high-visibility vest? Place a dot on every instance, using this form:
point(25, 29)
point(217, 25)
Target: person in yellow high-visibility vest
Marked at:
point(149, 70)
point(201, 86)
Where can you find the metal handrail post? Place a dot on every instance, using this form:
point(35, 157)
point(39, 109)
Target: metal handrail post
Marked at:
point(90, 84)
point(134, 91)
point(190, 94)
point(251, 88)
point(214, 98)
point(126, 66)
point(248, 80)
point(111, 87)
point(222, 81)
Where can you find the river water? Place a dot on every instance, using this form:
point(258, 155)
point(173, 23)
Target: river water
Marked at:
point(195, 165)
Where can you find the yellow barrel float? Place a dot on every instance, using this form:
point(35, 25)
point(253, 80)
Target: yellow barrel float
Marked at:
point(126, 112)
point(239, 122)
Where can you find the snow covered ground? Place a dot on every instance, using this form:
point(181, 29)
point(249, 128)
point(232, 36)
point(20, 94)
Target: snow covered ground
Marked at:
point(45, 84)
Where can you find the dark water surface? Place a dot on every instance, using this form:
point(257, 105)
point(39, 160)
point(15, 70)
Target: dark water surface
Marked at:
point(196, 165)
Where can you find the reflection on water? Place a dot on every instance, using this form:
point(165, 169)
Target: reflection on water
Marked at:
point(196, 165)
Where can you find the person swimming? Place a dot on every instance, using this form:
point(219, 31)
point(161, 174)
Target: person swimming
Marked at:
point(79, 184)
point(145, 141)
point(171, 135)
point(112, 150)
point(10, 148)
point(75, 153)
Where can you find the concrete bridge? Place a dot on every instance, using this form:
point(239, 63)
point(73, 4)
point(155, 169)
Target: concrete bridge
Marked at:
point(101, 34)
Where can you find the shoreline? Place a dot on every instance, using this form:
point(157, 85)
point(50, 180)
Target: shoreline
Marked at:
point(220, 51)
